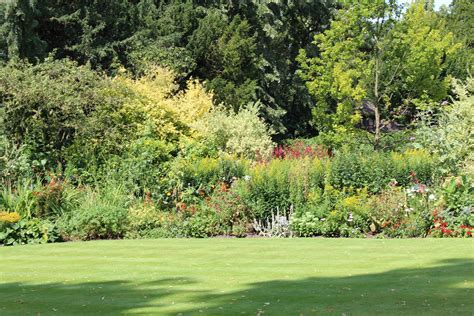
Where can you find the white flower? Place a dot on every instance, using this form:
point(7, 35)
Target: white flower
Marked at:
point(247, 178)
point(350, 217)
point(431, 197)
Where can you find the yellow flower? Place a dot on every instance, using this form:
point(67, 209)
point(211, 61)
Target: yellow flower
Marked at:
point(351, 202)
point(9, 218)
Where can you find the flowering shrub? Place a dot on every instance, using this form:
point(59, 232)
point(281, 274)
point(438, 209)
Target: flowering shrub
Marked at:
point(374, 170)
point(441, 227)
point(333, 213)
point(231, 212)
point(454, 216)
point(9, 218)
point(299, 150)
point(193, 180)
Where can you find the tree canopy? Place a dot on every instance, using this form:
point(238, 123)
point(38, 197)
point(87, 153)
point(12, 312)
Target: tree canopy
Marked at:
point(247, 51)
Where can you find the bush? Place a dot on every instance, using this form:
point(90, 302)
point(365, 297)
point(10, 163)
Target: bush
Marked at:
point(375, 170)
point(190, 180)
point(145, 221)
point(15, 230)
point(243, 133)
point(333, 214)
point(454, 215)
point(203, 224)
point(449, 135)
point(46, 105)
point(307, 225)
point(281, 184)
point(232, 215)
point(101, 214)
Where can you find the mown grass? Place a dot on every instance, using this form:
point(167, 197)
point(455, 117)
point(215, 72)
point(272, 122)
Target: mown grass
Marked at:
point(240, 276)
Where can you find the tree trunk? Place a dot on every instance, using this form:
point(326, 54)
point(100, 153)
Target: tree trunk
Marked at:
point(377, 105)
point(377, 127)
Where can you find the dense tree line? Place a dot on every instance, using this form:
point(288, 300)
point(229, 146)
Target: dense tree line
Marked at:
point(246, 51)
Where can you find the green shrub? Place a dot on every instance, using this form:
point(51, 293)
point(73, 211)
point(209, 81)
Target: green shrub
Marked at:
point(449, 135)
point(375, 170)
point(142, 219)
point(454, 215)
point(27, 231)
point(281, 184)
point(457, 195)
point(307, 225)
point(101, 214)
point(20, 198)
point(46, 105)
point(203, 224)
point(190, 180)
point(333, 214)
point(141, 167)
point(243, 133)
point(414, 166)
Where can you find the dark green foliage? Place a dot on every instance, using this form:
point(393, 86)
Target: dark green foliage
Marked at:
point(28, 231)
point(244, 51)
point(98, 140)
point(21, 28)
point(227, 58)
point(47, 106)
point(3, 34)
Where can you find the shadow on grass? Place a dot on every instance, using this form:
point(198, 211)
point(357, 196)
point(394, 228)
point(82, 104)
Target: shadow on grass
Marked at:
point(442, 289)
point(89, 298)
point(446, 288)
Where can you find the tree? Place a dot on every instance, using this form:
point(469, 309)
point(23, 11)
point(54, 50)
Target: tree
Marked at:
point(376, 60)
point(227, 58)
point(20, 27)
point(163, 29)
point(46, 105)
point(283, 28)
point(3, 34)
point(460, 20)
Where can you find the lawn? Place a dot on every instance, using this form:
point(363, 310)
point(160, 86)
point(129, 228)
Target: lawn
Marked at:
point(239, 276)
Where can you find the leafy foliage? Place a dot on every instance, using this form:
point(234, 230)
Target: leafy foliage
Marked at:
point(450, 133)
point(374, 61)
point(243, 133)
